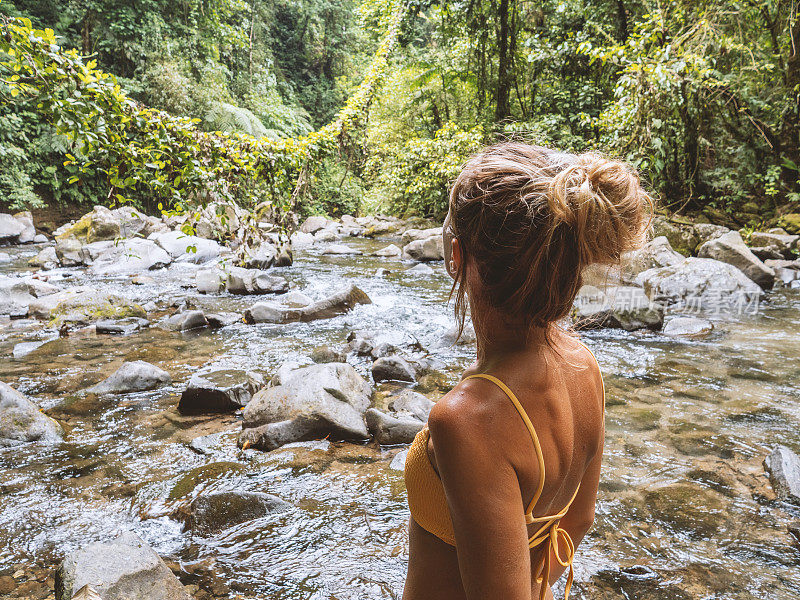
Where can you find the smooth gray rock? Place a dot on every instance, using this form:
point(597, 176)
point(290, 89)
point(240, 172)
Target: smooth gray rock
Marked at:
point(450, 336)
point(420, 269)
point(624, 307)
point(121, 326)
point(134, 376)
point(68, 252)
point(326, 235)
point(21, 421)
point(297, 299)
point(187, 248)
point(702, 285)
point(399, 461)
point(390, 429)
point(187, 320)
point(341, 249)
point(655, 253)
point(392, 368)
point(217, 392)
point(40, 238)
point(125, 569)
point(22, 349)
point(300, 239)
point(783, 242)
point(217, 511)
point(783, 467)
point(731, 249)
point(688, 327)
point(29, 233)
point(262, 257)
point(414, 403)
point(253, 281)
point(337, 304)
point(130, 257)
point(313, 224)
point(390, 251)
point(209, 281)
point(10, 229)
point(412, 235)
point(325, 354)
point(47, 258)
point(223, 319)
point(308, 403)
point(431, 248)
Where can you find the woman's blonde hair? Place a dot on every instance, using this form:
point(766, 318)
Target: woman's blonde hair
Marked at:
point(531, 219)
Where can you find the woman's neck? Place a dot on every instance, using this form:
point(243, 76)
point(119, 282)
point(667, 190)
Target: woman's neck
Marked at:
point(497, 340)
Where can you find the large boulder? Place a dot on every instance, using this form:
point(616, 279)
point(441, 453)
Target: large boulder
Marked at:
point(217, 221)
point(16, 293)
point(46, 259)
point(308, 403)
point(624, 307)
point(337, 304)
point(730, 248)
point(129, 257)
point(709, 231)
point(701, 284)
point(216, 511)
point(783, 467)
point(393, 368)
point(262, 257)
point(29, 233)
point(784, 243)
point(21, 420)
point(220, 391)
point(187, 248)
point(411, 402)
point(655, 253)
point(83, 305)
point(254, 281)
point(389, 429)
point(682, 236)
point(10, 229)
point(105, 224)
point(431, 248)
point(68, 251)
point(125, 569)
point(313, 224)
point(135, 376)
point(411, 235)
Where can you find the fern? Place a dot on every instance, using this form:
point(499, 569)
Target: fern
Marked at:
point(229, 118)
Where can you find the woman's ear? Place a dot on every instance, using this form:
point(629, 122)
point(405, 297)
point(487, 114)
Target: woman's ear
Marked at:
point(453, 265)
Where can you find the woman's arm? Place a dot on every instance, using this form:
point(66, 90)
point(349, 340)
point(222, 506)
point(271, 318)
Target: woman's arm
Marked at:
point(485, 501)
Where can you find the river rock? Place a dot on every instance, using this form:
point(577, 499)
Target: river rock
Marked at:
point(682, 236)
point(121, 326)
point(785, 243)
point(420, 269)
point(40, 238)
point(218, 220)
point(783, 467)
point(129, 257)
point(187, 248)
point(392, 368)
point(341, 249)
point(83, 305)
point(624, 307)
point(431, 248)
point(731, 249)
point(222, 319)
point(68, 251)
point(313, 224)
point(220, 391)
point(390, 251)
point(326, 235)
point(308, 403)
point(21, 421)
point(262, 257)
point(399, 461)
point(392, 429)
point(654, 254)
point(29, 233)
point(709, 231)
point(337, 304)
point(451, 336)
point(790, 223)
point(326, 354)
point(135, 376)
point(411, 235)
point(254, 281)
point(209, 281)
point(701, 284)
point(297, 298)
point(411, 402)
point(765, 253)
point(688, 327)
point(187, 320)
point(47, 258)
point(10, 229)
point(300, 240)
point(125, 569)
point(214, 512)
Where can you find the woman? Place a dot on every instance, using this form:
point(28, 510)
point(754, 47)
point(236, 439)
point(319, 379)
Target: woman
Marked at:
point(502, 481)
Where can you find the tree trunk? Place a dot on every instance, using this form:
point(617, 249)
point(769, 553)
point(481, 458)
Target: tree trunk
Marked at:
point(503, 65)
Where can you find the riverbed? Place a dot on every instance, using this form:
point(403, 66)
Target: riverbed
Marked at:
point(684, 511)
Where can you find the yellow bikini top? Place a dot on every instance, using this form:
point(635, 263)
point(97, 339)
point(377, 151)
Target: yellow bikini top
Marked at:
point(428, 505)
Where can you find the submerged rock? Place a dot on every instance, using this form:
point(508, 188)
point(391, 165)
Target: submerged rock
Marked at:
point(187, 320)
point(21, 421)
point(783, 467)
point(135, 376)
point(730, 248)
point(83, 305)
point(121, 326)
point(220, 391)
point(124, 569)
point(308, 403)
point(390, 429)
point(215, 512)
point(688, 327)
point(337, 304)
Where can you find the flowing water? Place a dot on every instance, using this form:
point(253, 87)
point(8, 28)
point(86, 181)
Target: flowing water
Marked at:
point(685, 509)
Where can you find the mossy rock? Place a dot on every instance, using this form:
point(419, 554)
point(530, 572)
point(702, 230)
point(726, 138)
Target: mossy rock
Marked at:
point(689, 508)
point(80, 230)
point(682, 237)
point(791, 223)
point(202, 474)
point(718, 217)
point(109, 307)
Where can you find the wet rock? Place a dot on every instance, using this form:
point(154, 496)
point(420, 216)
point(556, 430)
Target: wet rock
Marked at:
point(220, 391)
point(688, 327)
point(187, 320)
point(624, 307)
point(701, 284)
point(209, 281)
point(420, 269)
point(412, 235)
point(218, 220)
point(392, 429)
point(21, 421)
point(129, 257)
point(308, 403)
point(300, 239)
point(253, 281)
point(783, 467)
point(5, 257)
point(135, 376)
point(411, 402)
point(337, 304)
point(390, 251)
point(29, 233)
point(68, 252)
point(392, 368)
point(682, 236)
point(382, 349)
point(313, 224)
point(730, 248)
point(124, 569)
point(692, 509)
point(203, 476)
point(40, 238)
point(451, 337)
point(215, 512)
point(428, 249)
point(262, 257)
point(83, 305)
point(24, 348)
point(360, 346)
point(223, 319)
point(187, 248)
point(783, 242)
point(326, 354)
point(297, 298)
point(656, 253)
point(10, 229)
point(399, 461)
point(381, 272)
point(121, 326)
point(326, 235)
point(341, 249)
